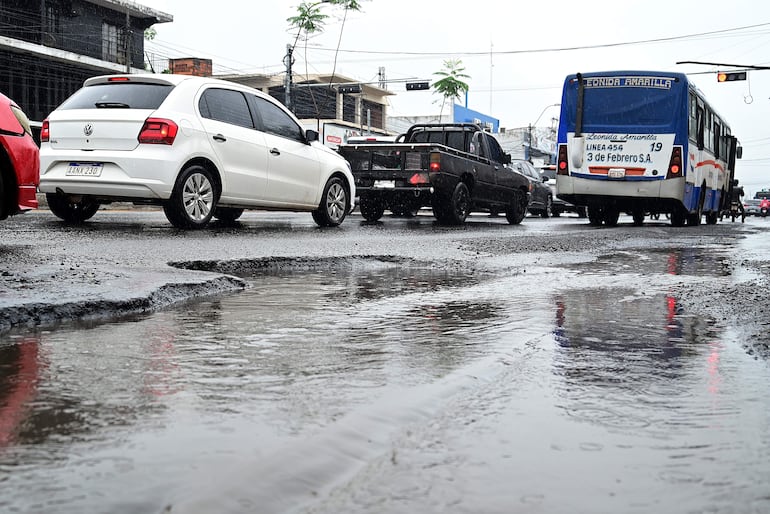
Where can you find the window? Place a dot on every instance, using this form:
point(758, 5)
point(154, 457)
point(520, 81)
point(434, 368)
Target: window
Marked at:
point(51, 21)
point(693, 117)
point(113, 43)
point(119, 95)
point(477, 147)
point(708, 137)
point(495, 152)
point(699, 129)
point(275, 120)
point(227, 106)
point(456, 140)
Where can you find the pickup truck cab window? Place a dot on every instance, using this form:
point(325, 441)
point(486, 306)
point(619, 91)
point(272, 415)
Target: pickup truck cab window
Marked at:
point(495, 151)
point(477, 145)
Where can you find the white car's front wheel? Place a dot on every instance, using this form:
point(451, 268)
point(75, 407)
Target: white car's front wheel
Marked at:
point(334, 204)
point(194, 198)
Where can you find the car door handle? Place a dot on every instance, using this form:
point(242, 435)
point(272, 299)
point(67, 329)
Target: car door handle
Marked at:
point(220, 138)
point(275, 151)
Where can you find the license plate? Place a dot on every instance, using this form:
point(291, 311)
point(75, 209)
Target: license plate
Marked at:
point(384, 184)
point(616, 173)
point(84, 169)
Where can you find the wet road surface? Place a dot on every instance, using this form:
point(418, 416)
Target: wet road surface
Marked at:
point(399, 386)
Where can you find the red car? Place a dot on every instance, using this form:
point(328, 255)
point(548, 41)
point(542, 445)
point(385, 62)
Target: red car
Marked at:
point(19, 161)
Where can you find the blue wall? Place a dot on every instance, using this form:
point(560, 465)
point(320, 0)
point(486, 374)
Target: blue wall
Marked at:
point(465, 115)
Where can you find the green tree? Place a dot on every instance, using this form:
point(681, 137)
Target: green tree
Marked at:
point(451, 86)
point(310, 20)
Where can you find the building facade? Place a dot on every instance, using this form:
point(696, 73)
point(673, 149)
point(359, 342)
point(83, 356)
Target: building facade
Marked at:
point(49, 47)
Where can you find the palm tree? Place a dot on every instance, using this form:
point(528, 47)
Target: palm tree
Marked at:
point(451, 86)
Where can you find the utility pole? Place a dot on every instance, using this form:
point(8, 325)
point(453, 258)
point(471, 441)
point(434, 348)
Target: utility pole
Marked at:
point(287, 81)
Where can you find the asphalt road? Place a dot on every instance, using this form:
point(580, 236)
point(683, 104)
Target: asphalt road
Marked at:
point(399, 367)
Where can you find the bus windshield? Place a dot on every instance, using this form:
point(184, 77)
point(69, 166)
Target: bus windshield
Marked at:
point(606, 108)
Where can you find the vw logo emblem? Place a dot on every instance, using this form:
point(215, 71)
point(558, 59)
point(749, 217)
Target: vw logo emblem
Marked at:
point(88, 129)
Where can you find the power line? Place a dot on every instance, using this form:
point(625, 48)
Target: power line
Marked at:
point(559, 49)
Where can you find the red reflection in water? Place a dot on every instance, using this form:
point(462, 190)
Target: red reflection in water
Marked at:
point(161, 376)
point(715, 376)
point(20, 376)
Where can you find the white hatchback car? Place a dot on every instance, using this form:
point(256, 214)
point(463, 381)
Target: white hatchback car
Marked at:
point(200, 147)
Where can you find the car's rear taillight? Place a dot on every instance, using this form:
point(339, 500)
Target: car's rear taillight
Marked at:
point(435, 162)
point(157, 131)
point(45, 132)
point(562, 167)
point(675, 164)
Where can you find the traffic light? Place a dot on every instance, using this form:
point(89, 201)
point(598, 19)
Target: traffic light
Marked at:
point(729, 77)
point(353, 88)
point(414, 86)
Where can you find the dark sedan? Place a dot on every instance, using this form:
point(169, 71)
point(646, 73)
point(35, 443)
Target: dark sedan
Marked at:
point(541, 196)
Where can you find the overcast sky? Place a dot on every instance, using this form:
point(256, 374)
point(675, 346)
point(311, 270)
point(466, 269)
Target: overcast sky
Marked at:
point(516, 53)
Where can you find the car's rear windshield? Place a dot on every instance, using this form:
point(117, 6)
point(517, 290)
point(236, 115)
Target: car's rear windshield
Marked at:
point(118, 95)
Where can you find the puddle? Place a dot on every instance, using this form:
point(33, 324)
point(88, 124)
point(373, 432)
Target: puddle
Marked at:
point(363, 388)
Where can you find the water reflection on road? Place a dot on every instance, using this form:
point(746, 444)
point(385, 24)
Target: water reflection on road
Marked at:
point(396, 389)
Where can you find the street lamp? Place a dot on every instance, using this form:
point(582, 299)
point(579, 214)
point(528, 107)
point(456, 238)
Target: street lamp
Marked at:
point(529, 145)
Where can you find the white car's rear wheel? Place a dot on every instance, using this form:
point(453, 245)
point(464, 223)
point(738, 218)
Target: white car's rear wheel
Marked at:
point(194, 198)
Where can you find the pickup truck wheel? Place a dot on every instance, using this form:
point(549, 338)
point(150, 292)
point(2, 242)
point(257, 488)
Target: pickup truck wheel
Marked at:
point(460, 205)
point(71, 211)
point(334, 204)
point(371, 207)
point(517, 209)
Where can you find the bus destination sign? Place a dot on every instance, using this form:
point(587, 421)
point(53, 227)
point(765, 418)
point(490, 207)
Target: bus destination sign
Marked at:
point(629, 81)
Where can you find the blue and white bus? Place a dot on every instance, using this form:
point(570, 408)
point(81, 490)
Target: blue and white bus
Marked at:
point(642, 143)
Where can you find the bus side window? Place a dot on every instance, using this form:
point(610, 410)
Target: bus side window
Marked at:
point(693, 124)
point(701, 121)
point(717, 140)
point(708, 137)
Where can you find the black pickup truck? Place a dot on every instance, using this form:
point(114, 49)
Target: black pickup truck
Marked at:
point(454, 168)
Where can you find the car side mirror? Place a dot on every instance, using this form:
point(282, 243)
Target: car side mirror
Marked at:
point(506, 158)
point(311, 135)
point(739, 152)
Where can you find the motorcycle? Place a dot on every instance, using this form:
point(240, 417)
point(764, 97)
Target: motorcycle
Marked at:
point(764, 207)
point(736, 210)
